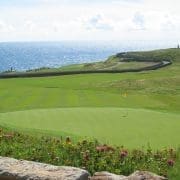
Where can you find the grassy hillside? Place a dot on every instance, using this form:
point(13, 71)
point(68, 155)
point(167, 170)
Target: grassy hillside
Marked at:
point(156, 55)
point(129, 60)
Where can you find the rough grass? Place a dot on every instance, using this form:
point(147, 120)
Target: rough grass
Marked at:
point(172, 54)
point(106, 65)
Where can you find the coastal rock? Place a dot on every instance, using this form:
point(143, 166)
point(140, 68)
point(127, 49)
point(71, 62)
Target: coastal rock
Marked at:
point(145, 175)
point(107, 176)
point(138, 175)
point(12, 169)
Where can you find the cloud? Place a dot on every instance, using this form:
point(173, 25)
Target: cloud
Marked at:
point(57, 2)
point(83, 19)
point(170, 23)
point(5, 28)
point(139, 21)
point(29, 25)
point(98, 22)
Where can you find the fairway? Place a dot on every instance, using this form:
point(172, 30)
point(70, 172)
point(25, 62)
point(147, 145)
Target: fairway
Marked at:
point(120, 126)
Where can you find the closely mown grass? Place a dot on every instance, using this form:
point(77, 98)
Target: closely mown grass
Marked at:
point(133, 128)
point(90, 155)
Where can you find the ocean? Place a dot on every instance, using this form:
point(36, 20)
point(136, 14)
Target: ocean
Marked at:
point(22, 56)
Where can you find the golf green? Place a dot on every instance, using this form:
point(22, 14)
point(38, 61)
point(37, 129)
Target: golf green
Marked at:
point(120, 126)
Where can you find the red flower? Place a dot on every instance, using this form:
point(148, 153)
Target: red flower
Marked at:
point(104, 148)
point(170, 162)
point(123, 153)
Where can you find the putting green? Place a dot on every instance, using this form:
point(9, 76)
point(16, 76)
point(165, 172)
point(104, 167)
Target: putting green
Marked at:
point(120, 126)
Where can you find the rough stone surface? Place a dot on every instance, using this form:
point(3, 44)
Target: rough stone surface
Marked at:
point(144, 175)
point(138, 175)
point(12, 169)
point(107, 176)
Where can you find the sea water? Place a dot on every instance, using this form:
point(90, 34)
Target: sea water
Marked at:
point(22, 56)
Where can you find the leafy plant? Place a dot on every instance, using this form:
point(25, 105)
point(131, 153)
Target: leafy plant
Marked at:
point(90, 155)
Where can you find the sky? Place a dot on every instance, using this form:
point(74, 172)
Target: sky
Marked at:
point(118, 20)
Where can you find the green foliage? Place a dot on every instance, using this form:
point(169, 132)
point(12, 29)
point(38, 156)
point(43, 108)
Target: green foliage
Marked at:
point(90, 155)
point(174, 173)
point(156, 55)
